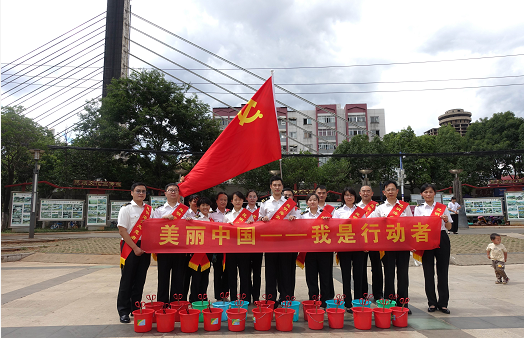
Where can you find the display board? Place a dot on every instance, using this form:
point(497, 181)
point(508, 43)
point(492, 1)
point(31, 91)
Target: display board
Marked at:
point(20, 209)
point(61, 210)
point(490, 206)
point(515, 205)
point(446, 198)
point(115, 208)
point(97, 209)
point(157, 201)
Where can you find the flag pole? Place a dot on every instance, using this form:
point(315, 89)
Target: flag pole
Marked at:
point(273, 82)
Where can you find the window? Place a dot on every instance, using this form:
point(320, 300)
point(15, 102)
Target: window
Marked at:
point(352, 132)
point(308, 134)
point(293, 149)
point(326, 119)
point(374, 119)
point(326, 146)
point(284, 148)
point(283, 134)
point(308, 121)
point(361, 119)
point(293, 134)
point(283, 122)
point(326, 132)
point(377, 132)
point(352, 119)
point(224, 122)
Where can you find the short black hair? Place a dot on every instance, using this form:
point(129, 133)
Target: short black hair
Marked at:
point(453, 198)
point(171, 185)
point(311, 195)
point(203, 200)
point(275, 178)
point(428, 185)
point(388, 182)
point(321, 187)
point(238, 194)
point(493, 236)
point(351, 191)
point(250, 191)
point(288, 189)
point(136, 184)
point(193, 197)
point(222, 193)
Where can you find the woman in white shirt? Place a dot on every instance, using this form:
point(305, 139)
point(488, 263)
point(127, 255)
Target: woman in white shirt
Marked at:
point(441, 254)
point(255, 257)
point(349, 258)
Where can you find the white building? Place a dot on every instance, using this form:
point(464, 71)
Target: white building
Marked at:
point(319, 130)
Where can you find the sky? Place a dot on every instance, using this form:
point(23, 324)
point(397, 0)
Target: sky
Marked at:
point(414, 60)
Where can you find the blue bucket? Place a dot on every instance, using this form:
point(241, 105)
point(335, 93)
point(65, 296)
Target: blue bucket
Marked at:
point(357, 303)
point(331, 304)
point(243, 306)
point(224, 306)
point(295, 306)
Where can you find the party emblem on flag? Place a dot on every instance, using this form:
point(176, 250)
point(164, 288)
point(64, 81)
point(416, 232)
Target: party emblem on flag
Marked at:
point(243, 114)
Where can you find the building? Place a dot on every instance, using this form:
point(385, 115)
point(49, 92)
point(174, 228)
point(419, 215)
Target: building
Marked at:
point(458, 118)
point(319, 130)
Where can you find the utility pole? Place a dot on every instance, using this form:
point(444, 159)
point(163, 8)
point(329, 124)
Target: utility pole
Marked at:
point(116, 53)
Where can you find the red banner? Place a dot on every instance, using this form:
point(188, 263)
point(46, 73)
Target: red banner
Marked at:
point(373, 234)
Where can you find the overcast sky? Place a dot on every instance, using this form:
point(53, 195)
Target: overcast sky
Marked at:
point(334, 44)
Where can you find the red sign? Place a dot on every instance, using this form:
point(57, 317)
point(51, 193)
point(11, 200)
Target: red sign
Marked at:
point(373, 234)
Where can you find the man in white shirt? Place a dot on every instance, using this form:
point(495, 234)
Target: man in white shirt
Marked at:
point(171, 266)
point(454, 208)
point(279, 266)
point(220, 282)
point(400, 259)
point(134, 271)
point(377, 275)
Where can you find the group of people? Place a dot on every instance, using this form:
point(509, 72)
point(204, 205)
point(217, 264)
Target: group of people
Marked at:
point(175, 276)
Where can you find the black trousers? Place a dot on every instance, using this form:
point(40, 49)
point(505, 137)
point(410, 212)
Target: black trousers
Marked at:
point(220, 276)
point(238, 262)
point(171, 267)
point(187, 277)
point(256, 279)
point(400, 261)
point(199, 281)
point(319, 265)
point(348, 260)
point(132, 281)
point(441, 255)
point(377, 275)
point(280, 272)
point(455, 224)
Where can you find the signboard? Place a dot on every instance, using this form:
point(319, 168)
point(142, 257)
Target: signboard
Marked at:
point(157, 201)
point(483, 206)
point(115, 208)
point(446, 198)
point(97, 209)
point(515, 205)
point(20, 209)
point(61, 210)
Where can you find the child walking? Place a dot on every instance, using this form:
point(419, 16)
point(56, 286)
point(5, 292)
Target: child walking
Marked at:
point(498, 254)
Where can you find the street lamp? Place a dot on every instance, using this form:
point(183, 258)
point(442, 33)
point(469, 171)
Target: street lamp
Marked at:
point(32, 223)
point(365, 172)
point(180, 172)
point(457, 187)
point(274, 172)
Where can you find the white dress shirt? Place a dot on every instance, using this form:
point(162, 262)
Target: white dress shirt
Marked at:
point(426, 210)
point(218, 216)
point(385, 208)
point(270, 207)
point(345, 211)
point(129, 215)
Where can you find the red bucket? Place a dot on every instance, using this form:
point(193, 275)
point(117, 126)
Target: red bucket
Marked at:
point(189, 321)
point(267, 303)
point(182, 305)
point(284, 320)
point(154, 306)
point(212, 319)
point(336, 318)
point(362, 317)
point(144, 320)
point(262, 318)
point(400, 317)
point(165, 322)
point(309, 304)
point(236, 320)
point(382, 318)
point(315, 319)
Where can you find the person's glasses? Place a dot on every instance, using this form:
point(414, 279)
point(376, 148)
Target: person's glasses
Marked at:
point(172, 191)
point(140, 191)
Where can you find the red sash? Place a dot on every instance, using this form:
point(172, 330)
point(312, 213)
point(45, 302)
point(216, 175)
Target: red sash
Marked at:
point(301, 258)
point(255, 214)
point(438, 210)
point(243, 216)
point(135, 234)
point(398, 209)
point(284, 209)
point(200, 259)
point(179, 211)
point(370, 207)
point(328, 208)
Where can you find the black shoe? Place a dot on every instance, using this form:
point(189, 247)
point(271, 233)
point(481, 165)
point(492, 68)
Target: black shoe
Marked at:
point(350, 310)
point(409, 311)
point(124, 319)
point(445, 310)
point(131, 314)
point(432, 309)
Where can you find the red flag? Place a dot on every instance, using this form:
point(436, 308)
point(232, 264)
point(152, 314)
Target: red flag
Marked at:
point(249, 141)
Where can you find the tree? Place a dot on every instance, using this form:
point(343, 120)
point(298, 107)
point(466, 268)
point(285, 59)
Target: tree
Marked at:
point(145, 111)
point(19, 134)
